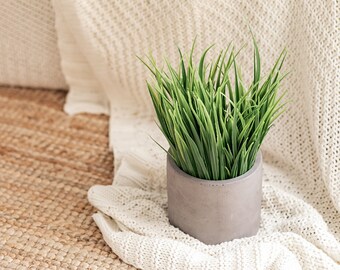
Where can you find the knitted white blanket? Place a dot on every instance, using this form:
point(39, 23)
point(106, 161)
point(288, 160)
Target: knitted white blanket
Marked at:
point(98, 42)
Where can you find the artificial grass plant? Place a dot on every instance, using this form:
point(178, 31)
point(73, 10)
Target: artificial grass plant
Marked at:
point(214, 124)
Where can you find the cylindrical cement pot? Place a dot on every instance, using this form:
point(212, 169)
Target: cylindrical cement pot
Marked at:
point(215, 211)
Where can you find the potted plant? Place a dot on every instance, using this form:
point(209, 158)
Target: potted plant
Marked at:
point(215, 125)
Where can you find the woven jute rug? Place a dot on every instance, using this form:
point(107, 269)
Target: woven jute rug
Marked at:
point(48, 161)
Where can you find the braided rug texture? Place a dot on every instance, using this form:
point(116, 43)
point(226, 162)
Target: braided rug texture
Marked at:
point(48, 161)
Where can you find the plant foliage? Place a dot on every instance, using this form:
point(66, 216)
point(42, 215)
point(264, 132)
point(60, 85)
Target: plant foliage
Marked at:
point(214, 124)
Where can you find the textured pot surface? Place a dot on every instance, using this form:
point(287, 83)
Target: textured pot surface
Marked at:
point(215, 211)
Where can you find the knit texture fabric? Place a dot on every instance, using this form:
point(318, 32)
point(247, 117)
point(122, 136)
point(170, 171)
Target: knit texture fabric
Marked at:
point(301, 193)
point(28, 45)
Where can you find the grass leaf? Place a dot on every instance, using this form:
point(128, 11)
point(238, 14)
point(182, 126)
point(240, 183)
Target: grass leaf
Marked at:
point(215, 129)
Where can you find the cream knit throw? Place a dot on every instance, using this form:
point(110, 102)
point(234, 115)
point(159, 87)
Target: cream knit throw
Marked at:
point(301, 194)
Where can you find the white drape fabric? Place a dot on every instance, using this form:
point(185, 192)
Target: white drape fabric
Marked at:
point(300, 228)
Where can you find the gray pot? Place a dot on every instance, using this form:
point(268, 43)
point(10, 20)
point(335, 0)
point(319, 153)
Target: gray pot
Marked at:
point(215, 211)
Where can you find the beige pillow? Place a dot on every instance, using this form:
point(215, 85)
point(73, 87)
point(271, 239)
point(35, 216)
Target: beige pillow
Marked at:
point(28, 45)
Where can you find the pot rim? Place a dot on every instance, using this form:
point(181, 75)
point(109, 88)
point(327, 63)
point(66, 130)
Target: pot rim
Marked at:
point(243, 177)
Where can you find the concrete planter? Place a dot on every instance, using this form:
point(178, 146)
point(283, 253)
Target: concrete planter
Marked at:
point(215, 211)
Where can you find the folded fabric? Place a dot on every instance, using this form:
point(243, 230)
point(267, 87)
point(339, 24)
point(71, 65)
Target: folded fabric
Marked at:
point(134, 223)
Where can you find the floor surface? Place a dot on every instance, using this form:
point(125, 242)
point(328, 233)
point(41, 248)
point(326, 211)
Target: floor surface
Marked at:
point(48, 161)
